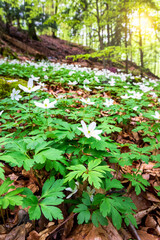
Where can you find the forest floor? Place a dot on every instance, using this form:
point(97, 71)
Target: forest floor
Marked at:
point(147, 203)
point(18, 45)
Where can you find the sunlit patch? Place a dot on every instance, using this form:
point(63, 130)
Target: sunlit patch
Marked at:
point(144, 22)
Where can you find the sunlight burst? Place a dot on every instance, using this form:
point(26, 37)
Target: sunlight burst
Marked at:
point(144, 23)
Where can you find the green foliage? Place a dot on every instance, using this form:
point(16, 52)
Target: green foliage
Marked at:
point(12, 198)
point(51, 196)
point(158, 189)
point(94, 173)
point(49, 144)
point(137, 181)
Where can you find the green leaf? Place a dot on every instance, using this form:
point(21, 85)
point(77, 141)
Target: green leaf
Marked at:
point(5, 186)
point(9, 159)
point(34, 212)
point(51, 212)
point(105, 207)
point(39, 158)
point(84, 214)
point(2, 171)
point(78, 170)
point(94, 178)
point(52, 154)
point(129, 218)
point(116, 218)
point(114, 183)
point(86, 199)
point(95, 173)
point(52, 188)
point(98, 218)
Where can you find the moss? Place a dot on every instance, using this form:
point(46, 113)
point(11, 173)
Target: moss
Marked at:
point(7, 52)
point(6, 87)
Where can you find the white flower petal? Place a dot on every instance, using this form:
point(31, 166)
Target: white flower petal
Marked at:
point(92, 126)
point(1, 112)
point(41, 105)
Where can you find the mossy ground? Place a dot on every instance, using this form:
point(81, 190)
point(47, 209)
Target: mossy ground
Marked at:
point(6, 87)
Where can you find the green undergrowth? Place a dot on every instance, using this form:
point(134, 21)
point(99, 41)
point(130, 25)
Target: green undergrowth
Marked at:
point(6, 85)
point(81, 145)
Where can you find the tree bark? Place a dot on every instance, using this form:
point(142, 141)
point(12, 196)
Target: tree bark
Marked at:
point(126, 32)
point(32, 31)
point(140, 44)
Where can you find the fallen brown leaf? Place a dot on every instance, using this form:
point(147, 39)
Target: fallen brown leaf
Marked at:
point(145, 236)
point(138, 216)
point(152, 198)
point(33, 235)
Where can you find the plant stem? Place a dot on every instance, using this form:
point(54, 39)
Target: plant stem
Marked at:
point(29, 105)
point(2, 216)
point(46, 118)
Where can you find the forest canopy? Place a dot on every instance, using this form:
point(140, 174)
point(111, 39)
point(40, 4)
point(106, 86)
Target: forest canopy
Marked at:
point(119, 29)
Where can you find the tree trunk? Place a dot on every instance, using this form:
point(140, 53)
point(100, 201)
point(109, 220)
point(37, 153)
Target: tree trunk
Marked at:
point(32, 31)
point(140, 44)
point(98, 25)
point(8, 17)
point(126, 43)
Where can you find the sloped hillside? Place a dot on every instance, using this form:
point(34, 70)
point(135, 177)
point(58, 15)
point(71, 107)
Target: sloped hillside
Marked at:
point(19, 45)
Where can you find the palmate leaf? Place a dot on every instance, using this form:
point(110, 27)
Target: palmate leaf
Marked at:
point(118, 207)
point(51, 212)
point(105, 207)
point(34, 212)
point(94, 173)
point(84, 213)
point(52, 188)
point(116, 218)
point(52, 154)
point(114, 183)
point(5, 186)
point(94, 178)
point(51, 195)
point(98, 218)
point(11, 199)
point(77, 171)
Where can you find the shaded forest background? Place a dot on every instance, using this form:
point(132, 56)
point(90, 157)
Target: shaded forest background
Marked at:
point(120, 30)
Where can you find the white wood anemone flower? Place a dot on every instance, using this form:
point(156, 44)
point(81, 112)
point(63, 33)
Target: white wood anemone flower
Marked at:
point(1, 112)
point(73, 191)
point(15, 94)
point(34, 78)
point(87, 88)
point(157, 115)
point(90, 130)
point(30, 88)
point(109, 102)
point(87, 101)
point(91, 193)
point(72, 83)
point(46, 104)
point(135, 108)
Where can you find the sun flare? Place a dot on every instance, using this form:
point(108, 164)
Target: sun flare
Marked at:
point(144, 23)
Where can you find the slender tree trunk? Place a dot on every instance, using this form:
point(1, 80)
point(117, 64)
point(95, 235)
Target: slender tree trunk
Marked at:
point(98, 25)
point(126, 33)
point(99, 32)
point(130, 43)
point(108, 27)
point(140, 44)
